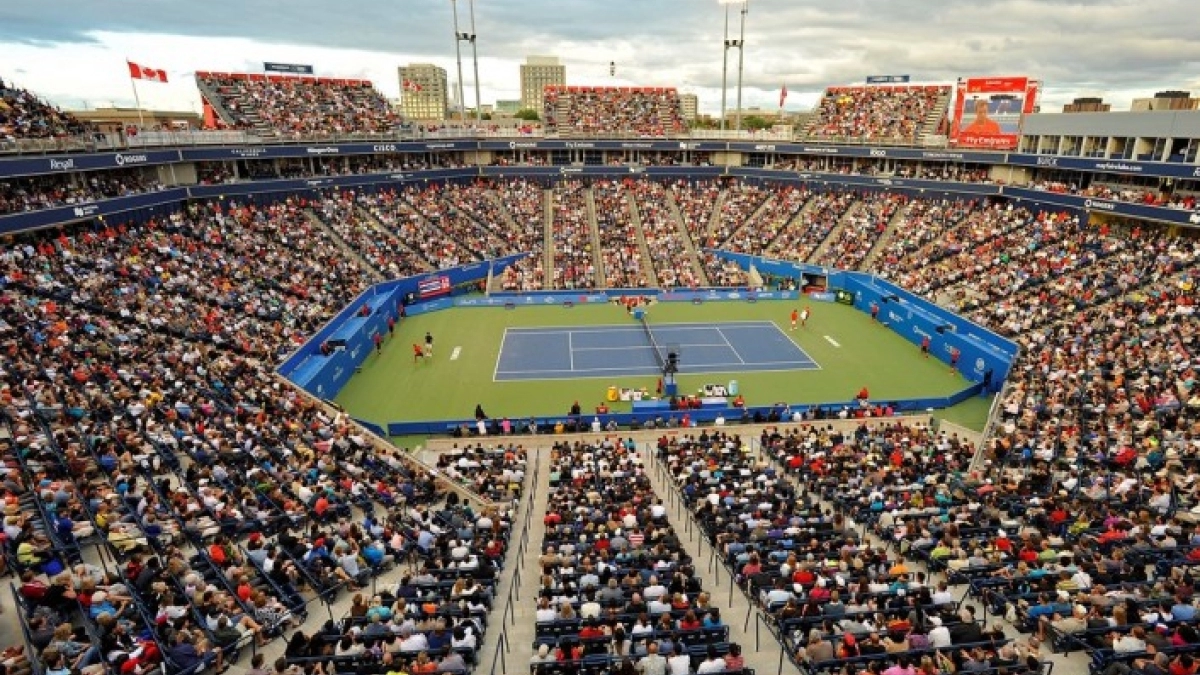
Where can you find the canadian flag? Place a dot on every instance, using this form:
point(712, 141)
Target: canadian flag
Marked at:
point(139, 72)
point(409, 85)
point(782, 95)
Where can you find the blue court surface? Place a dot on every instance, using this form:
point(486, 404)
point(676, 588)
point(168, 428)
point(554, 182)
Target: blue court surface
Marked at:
point(566, 352)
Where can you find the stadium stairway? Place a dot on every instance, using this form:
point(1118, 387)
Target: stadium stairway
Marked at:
point(933, 119)
point(693, 257)
point(370, 219)
point(214, 99)
point(885, 239)
point(346, 248)
point(548, 234)
point(754, 216)
point(589, 199)
point(714, 222)
point(406, 206)
point(736, 612)
point(796, 219)
point(520, 575)
point(835, 232)
point(635, 216)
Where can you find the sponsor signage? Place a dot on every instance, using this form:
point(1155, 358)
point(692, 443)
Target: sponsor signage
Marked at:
point(291, 68)
point(1088, 204)
point(888, 79)
point(433, 286)
point(93, 162)
point(1122, 166)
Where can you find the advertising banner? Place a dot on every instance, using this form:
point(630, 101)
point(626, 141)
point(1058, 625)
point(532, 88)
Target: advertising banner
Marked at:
point(291, 68)
point(988, 111)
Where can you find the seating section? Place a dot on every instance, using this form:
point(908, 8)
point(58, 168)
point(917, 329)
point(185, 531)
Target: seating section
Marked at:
point(574, 253)
point(860, 231)
point(139, 413)
point(619, 250)
point(759, 230)
point(645, 112)
point(23, 115)
point(882, 114)
point(161, 435)
point(665, 239)
point(359, 232)
point(279, 105)
point(19, 195)
point(524, 204)
point(615, 582)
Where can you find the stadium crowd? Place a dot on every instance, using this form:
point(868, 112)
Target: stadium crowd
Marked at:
point(617, 589)
point(643, 112)
point(294, 106)
point(574, 250)
point(664, 237)
point(523, 201)
point(861, 230)
point(18, 195)
point(881, 114)
point(620, 250)
point(23, 115)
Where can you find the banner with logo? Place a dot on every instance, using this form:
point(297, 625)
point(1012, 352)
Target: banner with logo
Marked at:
point(290, 68)
point(988, 111)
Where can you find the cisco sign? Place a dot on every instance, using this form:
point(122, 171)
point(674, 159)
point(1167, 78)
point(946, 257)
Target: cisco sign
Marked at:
point(1099, 205)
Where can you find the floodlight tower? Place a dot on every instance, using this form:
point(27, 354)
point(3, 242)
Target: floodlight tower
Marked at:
point(739, 45)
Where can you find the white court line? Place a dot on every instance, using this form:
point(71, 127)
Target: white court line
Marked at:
point(606, 328)
point(734, 368)
point(499, 353)
point(605, 369)
point(454, 354)
point(730, 345)
point(603, 349)
point(832, 341)
point(571, 351)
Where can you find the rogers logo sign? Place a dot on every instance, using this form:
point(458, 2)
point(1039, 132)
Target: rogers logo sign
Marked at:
point(122, 160)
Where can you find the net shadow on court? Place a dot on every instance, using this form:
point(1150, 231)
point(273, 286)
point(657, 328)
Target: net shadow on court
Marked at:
point(568, 352)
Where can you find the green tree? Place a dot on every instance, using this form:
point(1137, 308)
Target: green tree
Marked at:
point(527, 114)
point(755, 123)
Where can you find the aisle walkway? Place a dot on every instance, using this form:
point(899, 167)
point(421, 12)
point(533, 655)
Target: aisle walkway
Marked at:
point(513, 607)
point(761, 653)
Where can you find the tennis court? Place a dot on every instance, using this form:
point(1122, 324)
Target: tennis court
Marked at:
point(568, 352)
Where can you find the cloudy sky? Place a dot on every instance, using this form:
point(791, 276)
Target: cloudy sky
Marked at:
point(73, 51)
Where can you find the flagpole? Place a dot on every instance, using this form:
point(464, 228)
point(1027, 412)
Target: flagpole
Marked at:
point(137, 101)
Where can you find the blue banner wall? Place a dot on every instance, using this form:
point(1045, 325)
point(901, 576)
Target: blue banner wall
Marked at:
point(914, 319)
point(908, 186)
point(135, 207)
point(1089, 204)
point(22, 166)
point(324, 376)
point(296, 186)
point(909, 315)
point(701, 416)
point(1098, 165)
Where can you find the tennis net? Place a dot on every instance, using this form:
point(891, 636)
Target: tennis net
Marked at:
point(658, 353)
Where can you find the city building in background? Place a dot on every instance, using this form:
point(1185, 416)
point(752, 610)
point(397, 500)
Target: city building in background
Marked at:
point(508, 106)
point(423, 91)
point(689, 105)
point(1166, 100)
point(1087, 104)
point(537, 73)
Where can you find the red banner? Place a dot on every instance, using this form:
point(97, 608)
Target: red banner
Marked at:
point(988, 111)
